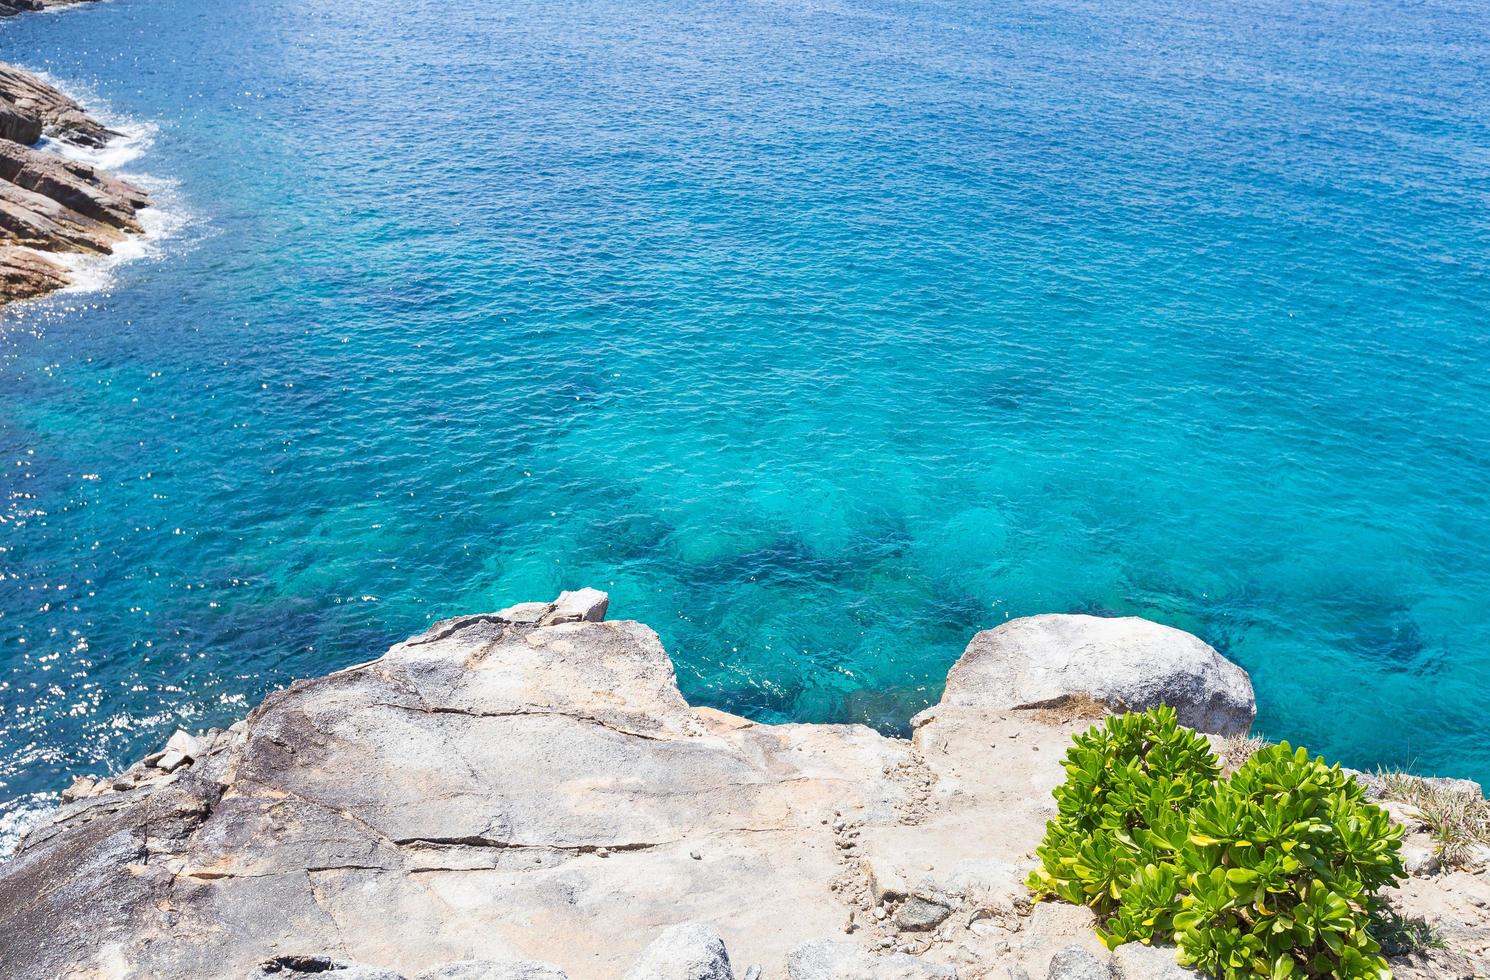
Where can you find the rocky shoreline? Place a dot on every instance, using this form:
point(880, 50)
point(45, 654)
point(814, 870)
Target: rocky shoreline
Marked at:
point(9, 8)
point(51, 205)
point(526, 794)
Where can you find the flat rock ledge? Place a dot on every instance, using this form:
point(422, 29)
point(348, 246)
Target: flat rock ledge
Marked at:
point(526, 794)
point(52, 205)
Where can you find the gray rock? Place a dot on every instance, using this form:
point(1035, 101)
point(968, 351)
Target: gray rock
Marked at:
point(1129, 662)
point(919, 913)
point(181, 749)
point(825, 959)
point(582, 606)
point(691, 951)
point(1135, 961)
point(1420, 858)
point(1075, 963)
point(494, 970)
point(450, 801)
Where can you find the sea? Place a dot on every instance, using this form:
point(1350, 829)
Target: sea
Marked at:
point(822, 334)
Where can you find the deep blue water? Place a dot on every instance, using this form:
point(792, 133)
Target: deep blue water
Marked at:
point(822, 335)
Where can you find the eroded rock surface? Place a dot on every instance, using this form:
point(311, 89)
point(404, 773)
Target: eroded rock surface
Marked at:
point(501, 798)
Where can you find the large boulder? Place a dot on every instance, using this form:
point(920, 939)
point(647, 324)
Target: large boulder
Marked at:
point(1128, 663)
point(497, 788)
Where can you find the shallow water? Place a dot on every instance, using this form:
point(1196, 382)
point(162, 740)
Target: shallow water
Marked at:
point(822, 335)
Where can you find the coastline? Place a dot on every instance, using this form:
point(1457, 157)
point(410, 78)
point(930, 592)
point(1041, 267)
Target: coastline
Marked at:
point(59, 210)
point(526, 794)
point(12, 8)
point(528, 788)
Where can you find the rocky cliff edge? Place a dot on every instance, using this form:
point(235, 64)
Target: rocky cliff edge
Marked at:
point(526, 794)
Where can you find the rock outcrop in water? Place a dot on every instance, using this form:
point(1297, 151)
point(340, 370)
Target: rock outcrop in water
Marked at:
point(50, 204)
point(9, 8)
point(527, 794)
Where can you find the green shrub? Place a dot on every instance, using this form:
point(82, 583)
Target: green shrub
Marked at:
point(1269, 873)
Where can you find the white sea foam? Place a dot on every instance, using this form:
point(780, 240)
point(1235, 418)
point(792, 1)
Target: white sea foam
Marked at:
point(163, 220)
point(18, 816)
point(133, 140)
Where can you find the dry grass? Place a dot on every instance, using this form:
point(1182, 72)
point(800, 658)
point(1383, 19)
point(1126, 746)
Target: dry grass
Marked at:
point(1456, 820)
point(1072, 707)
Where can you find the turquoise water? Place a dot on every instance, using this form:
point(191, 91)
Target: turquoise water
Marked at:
point(822, 335)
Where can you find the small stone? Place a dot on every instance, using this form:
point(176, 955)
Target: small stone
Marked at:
point(1075, 963)
point(81, 786)
point(918, 913)
point(695, 855)
point(181, 748)
point(1404, 814)
point(603, 852)
point(1420, 860)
